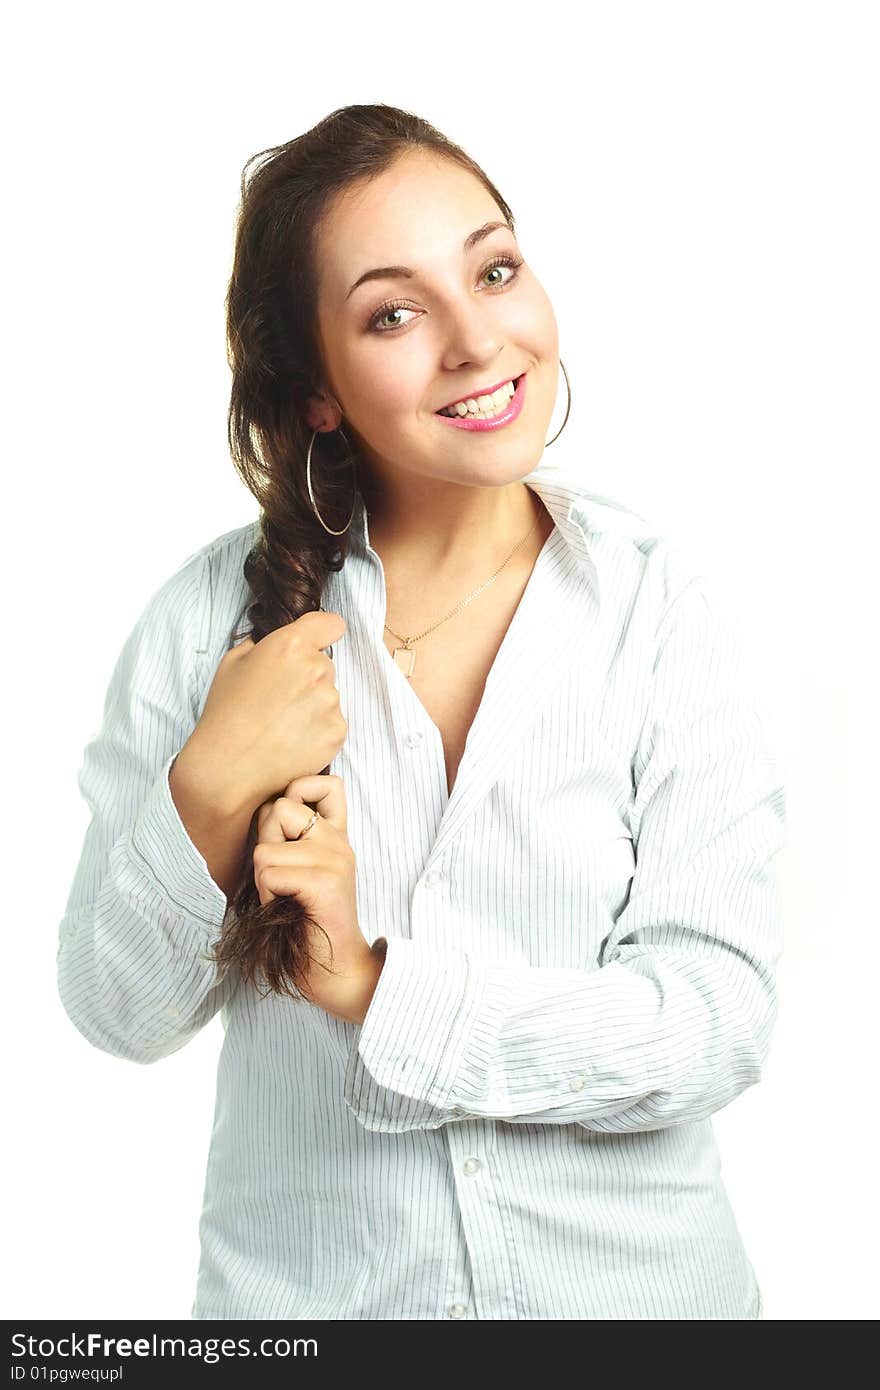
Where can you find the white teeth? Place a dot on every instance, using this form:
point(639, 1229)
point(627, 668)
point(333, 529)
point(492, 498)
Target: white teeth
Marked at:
point(482, 406)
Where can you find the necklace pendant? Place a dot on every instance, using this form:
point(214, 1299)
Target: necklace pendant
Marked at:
point(400, 655)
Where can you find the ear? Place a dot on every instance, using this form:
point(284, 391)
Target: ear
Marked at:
point(322, 413)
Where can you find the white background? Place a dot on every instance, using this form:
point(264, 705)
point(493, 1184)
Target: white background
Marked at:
point(696, 186)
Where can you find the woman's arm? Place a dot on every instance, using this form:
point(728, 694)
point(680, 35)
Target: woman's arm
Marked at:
point(676, 1021)
point(133, 971)
point(218, 828)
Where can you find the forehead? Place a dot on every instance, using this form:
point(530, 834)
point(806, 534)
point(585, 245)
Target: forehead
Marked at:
point(418, 210)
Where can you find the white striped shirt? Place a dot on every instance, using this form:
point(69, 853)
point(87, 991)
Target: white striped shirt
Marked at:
point(580, 965)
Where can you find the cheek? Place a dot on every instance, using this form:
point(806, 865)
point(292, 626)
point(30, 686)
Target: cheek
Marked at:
point(391, 387)
point(536, 322)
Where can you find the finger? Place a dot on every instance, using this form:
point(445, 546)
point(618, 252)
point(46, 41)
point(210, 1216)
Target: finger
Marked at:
point(268, 824)
point(290, 869)
point(283, 819)
point(326, 793)
point(280, 881)
point(292, 817)
point(268, 831)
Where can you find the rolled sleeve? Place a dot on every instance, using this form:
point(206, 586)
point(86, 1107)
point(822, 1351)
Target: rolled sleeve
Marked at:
point(675, 1019)
point(161, 848)
point(135, 968)
point(406, 1054)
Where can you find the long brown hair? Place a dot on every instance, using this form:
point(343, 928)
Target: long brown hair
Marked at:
point(273, 351)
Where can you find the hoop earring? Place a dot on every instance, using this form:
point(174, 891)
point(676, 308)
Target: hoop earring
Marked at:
point(567, 408)
point(327, 528)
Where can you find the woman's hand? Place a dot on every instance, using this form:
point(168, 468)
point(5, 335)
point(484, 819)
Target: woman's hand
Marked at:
point(319, 871)
point(272, 713)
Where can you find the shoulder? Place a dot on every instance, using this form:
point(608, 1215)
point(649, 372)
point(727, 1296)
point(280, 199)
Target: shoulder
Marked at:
point(197, 605)
point(224, 552)
point(662, 591)
point(638, 562)
point(224, 594)
point(233, 544)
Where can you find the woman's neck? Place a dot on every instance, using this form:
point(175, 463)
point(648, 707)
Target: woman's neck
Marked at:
point(433, 544)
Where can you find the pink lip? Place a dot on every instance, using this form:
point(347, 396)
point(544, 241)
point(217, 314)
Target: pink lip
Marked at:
point(510, 412)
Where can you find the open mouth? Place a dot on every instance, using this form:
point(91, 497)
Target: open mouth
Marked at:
point(483, 407)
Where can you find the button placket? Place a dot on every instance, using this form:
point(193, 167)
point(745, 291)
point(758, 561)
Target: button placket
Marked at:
point(472, 1147)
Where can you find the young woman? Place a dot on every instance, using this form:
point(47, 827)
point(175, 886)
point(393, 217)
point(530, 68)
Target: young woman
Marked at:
point(442, 781)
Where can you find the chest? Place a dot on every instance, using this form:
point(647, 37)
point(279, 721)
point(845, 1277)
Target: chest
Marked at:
point(452, 663)
point(449, 678)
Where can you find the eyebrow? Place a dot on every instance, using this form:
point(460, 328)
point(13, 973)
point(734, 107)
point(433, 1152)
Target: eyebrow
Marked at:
point(385, 272)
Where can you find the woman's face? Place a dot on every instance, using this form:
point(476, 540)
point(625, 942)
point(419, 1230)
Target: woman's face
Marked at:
point(396, 349)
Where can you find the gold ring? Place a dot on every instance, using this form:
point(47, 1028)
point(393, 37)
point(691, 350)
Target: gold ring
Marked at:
point(315, 817)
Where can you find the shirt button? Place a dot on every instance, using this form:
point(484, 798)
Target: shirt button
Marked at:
point(172, 1011)
point(577, 1083)
point(413, 739)
point(471, 1165)
point(432, 878)
point(457, 1310)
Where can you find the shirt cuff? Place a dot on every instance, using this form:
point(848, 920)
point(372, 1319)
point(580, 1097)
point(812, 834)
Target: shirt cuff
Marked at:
point(406, 1054)
point(160, 847)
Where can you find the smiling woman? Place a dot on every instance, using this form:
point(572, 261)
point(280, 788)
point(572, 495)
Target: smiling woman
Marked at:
point(478, 322)
point(519, 946)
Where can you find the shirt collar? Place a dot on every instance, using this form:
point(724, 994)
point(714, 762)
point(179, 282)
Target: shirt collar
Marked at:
point(578, 514)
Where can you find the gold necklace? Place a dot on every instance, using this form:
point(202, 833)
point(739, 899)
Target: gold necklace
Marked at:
point(408, 642)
